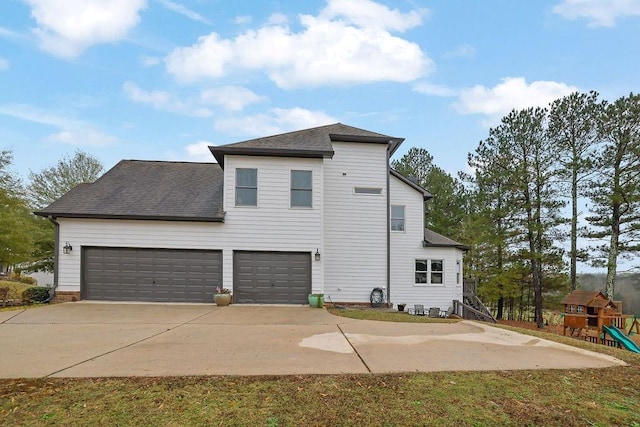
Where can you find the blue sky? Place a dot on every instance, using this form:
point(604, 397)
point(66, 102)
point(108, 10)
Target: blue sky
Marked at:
point(161, 79)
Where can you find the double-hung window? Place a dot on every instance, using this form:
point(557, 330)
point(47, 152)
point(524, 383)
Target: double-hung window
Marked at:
point(301, 189)
point(397, 218)
point(246, 187)
point(429, 271)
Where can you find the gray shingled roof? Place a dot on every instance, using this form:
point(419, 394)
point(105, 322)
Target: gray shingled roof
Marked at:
point(433, 239)
point(314, 142)
point(136, 189)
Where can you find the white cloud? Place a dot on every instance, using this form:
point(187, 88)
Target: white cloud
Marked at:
point(233, 98)
point(67, 27)
point(342, 45)
point(512, 92)
point(242, 20)
point(433, 89)
point(461, 51)
point(149, 61)
point(275, 121)
point(36, 115)
point(10, 34)
point(278, 19)
point(163, 101)
point(4, 64)
point(199, 151)
point(183, 10)
point(71, 131)
point(83, 137)
point(369, 14)
point(600, 13)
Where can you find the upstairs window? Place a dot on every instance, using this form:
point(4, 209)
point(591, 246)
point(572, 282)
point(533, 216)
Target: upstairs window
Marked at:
point(301, 189)
point(397, 218)
point(429, 272)
point(246, 187)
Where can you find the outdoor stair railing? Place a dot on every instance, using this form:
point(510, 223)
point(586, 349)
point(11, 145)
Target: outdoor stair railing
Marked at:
point(466, 311)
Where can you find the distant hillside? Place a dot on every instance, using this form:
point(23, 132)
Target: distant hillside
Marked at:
point(627, 289)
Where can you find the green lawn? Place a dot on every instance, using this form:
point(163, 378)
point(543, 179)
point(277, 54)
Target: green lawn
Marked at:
point(602, 397)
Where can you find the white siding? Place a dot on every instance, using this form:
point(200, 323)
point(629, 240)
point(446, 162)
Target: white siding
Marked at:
point(406, 247)
point(272, 226)
point(355, 225)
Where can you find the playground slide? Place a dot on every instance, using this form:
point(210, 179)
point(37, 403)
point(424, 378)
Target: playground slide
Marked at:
point(624, 340)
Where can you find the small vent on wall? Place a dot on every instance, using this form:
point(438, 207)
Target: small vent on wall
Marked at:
point(367, 190)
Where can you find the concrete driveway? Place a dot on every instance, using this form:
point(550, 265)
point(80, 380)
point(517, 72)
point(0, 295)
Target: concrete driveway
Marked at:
point(85, 339)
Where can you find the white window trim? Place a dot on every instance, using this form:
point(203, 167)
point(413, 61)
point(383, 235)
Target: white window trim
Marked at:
point(429, 271)
point(291, 189)
point(404, 219)
point(235, 189)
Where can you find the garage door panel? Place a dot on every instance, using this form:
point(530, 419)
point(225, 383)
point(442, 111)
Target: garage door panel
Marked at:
point(271, 277)
point(143, 274)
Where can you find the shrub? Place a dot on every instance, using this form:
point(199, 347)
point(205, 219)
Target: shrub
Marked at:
point(28, 280)
point(35, 294)
point(15, 290)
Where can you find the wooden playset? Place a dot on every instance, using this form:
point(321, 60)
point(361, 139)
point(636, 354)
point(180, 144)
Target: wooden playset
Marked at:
point(596, 318)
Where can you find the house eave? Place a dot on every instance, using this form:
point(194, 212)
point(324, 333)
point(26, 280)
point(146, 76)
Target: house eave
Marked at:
point(425, 194)
point(131, 217)
point(394, 143)
point(426, 244)
point(220, 152)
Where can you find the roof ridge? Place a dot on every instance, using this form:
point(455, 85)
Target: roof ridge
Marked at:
point(283, 134)
point(168, 161)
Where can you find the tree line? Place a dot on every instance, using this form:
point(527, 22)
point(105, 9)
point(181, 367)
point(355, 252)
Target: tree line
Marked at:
point(26, 240)
point(542, 177)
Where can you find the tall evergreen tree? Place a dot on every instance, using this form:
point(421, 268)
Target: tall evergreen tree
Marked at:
point(615, 190)
point(491, 216)
point(572, 129)
point(520, 154)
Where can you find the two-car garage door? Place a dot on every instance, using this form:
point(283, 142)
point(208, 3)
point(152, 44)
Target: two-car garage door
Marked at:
point(183, 275)
point(150, 274)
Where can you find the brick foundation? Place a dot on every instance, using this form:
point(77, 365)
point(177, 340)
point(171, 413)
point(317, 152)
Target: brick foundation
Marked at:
point(66, 296)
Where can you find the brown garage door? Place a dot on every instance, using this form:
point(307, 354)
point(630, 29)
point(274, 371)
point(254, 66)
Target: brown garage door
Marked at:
point(271, 277)
point(150, 274)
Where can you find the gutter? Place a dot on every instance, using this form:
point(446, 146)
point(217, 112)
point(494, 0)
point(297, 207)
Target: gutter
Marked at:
point(388, 225)
point(56, 250)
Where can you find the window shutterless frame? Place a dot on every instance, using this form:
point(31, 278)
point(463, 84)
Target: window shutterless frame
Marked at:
point(246, 187)
point(397, 218)
point(429, 272)
point(301, 195)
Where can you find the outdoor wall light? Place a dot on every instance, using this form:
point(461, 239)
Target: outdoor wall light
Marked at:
point(67, 248)
point(317, 255)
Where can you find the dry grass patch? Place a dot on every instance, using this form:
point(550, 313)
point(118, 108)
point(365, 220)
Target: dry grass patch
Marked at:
point(585, 397)
point(15, 289)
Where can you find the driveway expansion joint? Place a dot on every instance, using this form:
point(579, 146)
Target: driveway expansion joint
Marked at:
point(19, 312)
point(125, 346)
